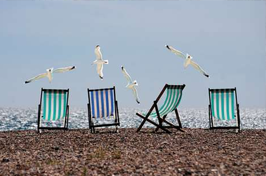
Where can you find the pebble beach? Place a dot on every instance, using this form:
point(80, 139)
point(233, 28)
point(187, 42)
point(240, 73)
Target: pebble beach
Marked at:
point(78, 152)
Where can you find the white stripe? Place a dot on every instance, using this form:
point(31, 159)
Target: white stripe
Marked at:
point(220, 105)
point(104, 103)
point(230, 105)
point(57, 106)
point(62, 104)
point(214, 105)
point(225, 105)
point(110, 102)
point(100, 103)
point(52, 106)
point(47, 106)
point(175, 97)
point(95, 105)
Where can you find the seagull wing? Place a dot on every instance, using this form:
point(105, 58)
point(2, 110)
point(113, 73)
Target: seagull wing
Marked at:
point(175, 51)
point(100, 70)
point(98, 53)
point(127, 76)
point(196, 66)
point(36, 77)
point(135, 94)
point(65, 69)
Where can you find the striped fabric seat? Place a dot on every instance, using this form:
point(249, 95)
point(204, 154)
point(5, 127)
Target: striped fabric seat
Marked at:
point(223, 104)
point(172, 100)
point(102, 103)
point(54, 104)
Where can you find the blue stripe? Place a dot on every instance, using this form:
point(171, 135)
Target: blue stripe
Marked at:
point(103, 115)
point(112, 102)
point(92, 104)
point(107, 102)
point(97, 104)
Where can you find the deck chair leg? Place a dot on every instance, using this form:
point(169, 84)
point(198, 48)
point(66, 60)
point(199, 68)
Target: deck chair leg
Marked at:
point(178, 118)
point(172, 125)
point(163, 119)
point(146, 119)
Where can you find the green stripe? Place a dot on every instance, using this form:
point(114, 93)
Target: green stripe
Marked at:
point(44, 105)
point(222, 101)
point(59, 105)
point(176, 100)
point(170, 103)
point(181, 92)
point(217, 105)
point(65, 102)
point(49, 105)
point(166, 99)
point(227, 106)
point(168, 96)
point(212, 104)
point(54, 114)
point(233, 105)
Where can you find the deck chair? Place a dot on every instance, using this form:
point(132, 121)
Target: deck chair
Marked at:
point(171, 102)
point(102, 105)
point(53, 108)
point(224, 107)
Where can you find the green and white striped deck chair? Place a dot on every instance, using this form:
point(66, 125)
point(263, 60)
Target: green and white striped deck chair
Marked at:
point(171, 102)
point(224, 107)
point(53, 108)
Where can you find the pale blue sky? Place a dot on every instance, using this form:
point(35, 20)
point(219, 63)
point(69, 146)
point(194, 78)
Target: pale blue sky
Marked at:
point(227, 38)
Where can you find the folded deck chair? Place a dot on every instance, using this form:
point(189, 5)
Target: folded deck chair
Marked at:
point(171, 102)
point(53, 108)
point(224, 107)
point(102, 106)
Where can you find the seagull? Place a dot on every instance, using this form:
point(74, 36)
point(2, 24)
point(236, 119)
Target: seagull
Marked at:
point(131, 84)
point(49, 73)
point(99, 61)
point(188, 60)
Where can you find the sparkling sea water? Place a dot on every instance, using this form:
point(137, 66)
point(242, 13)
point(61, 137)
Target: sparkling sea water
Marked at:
point(26, 119)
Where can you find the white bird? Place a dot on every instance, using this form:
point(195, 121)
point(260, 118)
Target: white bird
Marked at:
point(49, 73)
point(188, 60)
point(99, 61)
point(131, 84)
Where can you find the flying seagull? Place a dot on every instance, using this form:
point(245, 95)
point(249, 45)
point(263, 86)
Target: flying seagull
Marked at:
point(188, 60)
point(49, 73)
point(99, 61)
point(131, 84)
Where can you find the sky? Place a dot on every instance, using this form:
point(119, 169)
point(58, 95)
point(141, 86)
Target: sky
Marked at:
point(227, 38)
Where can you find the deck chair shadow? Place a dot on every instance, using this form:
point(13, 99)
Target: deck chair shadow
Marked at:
point(102, 106)
point(224, 108)
point(53, 110)
point(171, 102)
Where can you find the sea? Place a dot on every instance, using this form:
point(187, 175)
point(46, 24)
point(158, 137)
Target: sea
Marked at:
point(26, 118)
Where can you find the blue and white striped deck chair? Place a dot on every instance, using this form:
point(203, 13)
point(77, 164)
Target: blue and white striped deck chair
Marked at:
point(102, 106)
point(224, 107)
point(53, 108)
point(171, 102)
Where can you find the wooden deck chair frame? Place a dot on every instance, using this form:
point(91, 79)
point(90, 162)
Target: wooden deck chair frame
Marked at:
point(162, 120)
point(116, 123)
point(65, 127)
point(211, 124)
